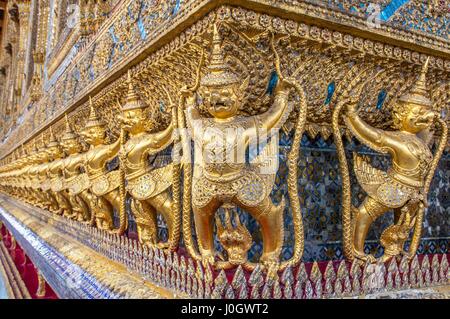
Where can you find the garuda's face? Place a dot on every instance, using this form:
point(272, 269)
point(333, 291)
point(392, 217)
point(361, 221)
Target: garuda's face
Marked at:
point(42, 156)
point(221, 102)
point(418, 118)
point(132, 120)
point(54, 152)
point(71, 146)
point(94, 135)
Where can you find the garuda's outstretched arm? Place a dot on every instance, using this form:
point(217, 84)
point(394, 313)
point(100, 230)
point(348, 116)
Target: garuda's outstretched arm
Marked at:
point(374, 138)
point(164, 138)
point(110, 151)
point(277, 114)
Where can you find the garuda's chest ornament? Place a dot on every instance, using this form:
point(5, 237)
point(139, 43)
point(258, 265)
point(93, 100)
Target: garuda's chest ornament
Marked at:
point(404, 186)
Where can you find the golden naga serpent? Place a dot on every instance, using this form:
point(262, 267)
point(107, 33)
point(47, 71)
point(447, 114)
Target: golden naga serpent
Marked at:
point(176, 208)
point(347, 222)
point(122, 191)
point(187, 167)
point(293, 158)
point(347, 219)
point(418, 226)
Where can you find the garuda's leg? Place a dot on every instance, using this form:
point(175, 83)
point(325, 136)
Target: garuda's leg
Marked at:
point(270, 219)
point(365, 215)
point(162, 203)
point(103, 212)
point(39, 199)
point(145, 217)
point(89, 199)
point(79, 207)
point(204, 226)
point(52, 204)
point(63, 203)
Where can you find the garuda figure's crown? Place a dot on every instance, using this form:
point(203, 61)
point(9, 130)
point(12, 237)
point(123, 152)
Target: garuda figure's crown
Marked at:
point(219, 74)
point(43, 146)
point(34, 148)
point(24, 152)
point(94, 120)
point(133, 101)
point(69, 134)
point(52, 139)
point(419, 93)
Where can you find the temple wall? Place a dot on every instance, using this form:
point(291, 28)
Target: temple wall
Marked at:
point(69, 67)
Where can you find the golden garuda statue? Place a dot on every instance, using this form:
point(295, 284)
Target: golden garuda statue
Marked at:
point(223, 179)
point(55, 177)
point(149, 187)
point(76, 183)
point(404, 186)
point(39, 181)
point(107, 187)
point(27, 177)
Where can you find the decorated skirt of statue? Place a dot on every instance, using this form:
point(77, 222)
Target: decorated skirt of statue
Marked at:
point(248, 187)
point(150, 184)
point(386, 187)
point(105, 183)
point(57, 184)
point(250, 183)
point(78, 184)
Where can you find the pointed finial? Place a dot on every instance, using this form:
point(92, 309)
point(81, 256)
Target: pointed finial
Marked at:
point(42, 140)
point(52, 136)
point(424, 71)
point(66, 119)
point(133, 101)
point(129, 77)
point(52, 139)
point(94, 120)
point(69, 134)
point(219, 74)
point(217, 56)
point(419, 93)
point(91, 105)
point(35, 148)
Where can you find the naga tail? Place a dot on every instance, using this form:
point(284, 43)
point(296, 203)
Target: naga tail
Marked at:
point(187, 168)
point(187, 185)
point(122, 192)
point(293, 181)
point(420, 215)
point(176, 208)
point(346, 187)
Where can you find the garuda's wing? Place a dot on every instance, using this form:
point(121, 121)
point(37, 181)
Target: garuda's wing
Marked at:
point(369, 177)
